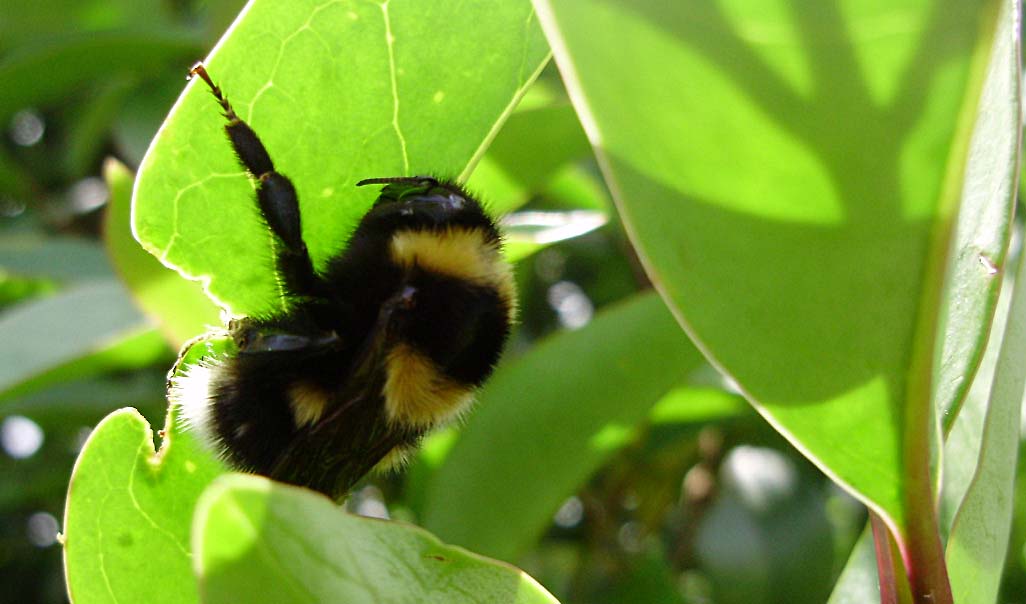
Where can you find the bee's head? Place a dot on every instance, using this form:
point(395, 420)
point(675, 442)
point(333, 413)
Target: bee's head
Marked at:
point(423, 203)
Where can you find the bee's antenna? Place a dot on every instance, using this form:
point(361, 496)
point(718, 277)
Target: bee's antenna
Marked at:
point(199, 70)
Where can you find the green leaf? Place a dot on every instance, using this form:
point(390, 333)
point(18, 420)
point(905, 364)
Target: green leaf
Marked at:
point(90, 397)
point(80, 58)
point(790, 177)
point(179, 306)
point(258, 541)
point(980, 460)
point(538, 412)
point(529, 150)
point(337, 92)
point(68, 259)
point(696, 405)
point(84, 330)
point(26, 22)
point(966, 439)
point(123, 353)
point(576, 187)
point(89, 123)
point(651, 578)
point(859, 582)
point(980, 240)
point(979, 537)
point(126, 523)
point(865, 580)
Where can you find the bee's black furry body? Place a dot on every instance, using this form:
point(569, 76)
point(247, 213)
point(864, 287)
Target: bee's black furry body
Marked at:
point(387, 342)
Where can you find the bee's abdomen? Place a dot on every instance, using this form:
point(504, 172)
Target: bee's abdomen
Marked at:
point(253, 420)
point(247, 409)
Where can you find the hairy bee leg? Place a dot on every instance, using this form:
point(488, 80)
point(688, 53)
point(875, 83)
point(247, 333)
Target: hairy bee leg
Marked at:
point(276, 196)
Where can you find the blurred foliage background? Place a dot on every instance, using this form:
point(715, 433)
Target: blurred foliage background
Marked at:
point(702, 506)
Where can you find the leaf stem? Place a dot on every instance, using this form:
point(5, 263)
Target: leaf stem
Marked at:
point(919, 539)
point(893, 585)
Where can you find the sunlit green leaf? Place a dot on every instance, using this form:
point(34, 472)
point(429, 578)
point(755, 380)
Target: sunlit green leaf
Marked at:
point(789, 175)
point(576, 187)
point(127, 519)
point(258, 541)
point(696, 405)
point(338, 92)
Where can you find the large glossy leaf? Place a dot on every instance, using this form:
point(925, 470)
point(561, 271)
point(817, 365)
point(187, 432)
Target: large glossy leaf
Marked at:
point(258, 541)
point(127, 518)
point(548, 420)
point(790, 174)
point(338, 92)
point(979, 463)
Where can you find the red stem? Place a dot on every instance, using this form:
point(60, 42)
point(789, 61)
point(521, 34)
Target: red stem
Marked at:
point(884, 561)
point(893, 585)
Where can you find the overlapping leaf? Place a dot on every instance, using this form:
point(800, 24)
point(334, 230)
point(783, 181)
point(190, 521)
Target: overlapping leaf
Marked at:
point(257, 541)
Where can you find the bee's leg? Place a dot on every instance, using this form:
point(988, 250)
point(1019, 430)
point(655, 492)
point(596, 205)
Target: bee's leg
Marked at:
point(276, 196)
point(254, 337)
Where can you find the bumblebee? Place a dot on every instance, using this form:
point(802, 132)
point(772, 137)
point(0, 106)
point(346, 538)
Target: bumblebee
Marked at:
point(389, 341)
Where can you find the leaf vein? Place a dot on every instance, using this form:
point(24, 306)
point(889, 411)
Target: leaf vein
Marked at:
point(390, 45)
point(130, 488)
point(100, 548)
point(175, 203)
